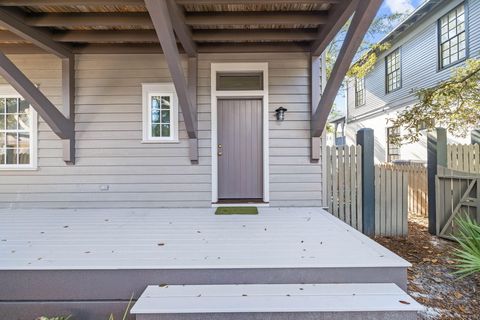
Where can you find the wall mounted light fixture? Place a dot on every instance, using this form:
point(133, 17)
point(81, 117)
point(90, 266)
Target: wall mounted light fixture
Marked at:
point(280, 113)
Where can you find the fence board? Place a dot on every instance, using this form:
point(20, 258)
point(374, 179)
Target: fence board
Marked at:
point(464, 157)
point(358, 152)
point(391, 200)
point(344, 184)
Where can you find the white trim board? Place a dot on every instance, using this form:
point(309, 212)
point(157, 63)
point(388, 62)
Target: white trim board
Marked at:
point(263, 94)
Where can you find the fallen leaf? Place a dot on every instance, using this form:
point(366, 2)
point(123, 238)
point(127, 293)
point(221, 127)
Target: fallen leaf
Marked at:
point(403, 302)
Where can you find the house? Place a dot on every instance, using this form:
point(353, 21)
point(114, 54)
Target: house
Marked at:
point(425, 49)
point(122, 123)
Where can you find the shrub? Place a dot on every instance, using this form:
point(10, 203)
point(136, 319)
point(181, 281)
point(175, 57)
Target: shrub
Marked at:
point(468, 255)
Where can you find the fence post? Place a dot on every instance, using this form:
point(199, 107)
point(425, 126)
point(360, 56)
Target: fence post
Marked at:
point(475, 136)
point(365, 139)
point(436, 156)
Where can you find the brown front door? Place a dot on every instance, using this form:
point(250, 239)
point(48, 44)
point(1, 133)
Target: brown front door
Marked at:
point(240, 149)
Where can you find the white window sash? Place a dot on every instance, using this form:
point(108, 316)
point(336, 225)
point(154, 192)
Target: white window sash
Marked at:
point(33, 136)
point(158, 90)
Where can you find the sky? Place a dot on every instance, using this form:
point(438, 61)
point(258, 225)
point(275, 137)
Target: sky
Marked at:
point(388, 6)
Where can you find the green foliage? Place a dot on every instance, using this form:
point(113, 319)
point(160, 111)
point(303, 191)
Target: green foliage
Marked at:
point(468, 255)
point(369, 48)
point(453, 104)
point(367, 61)
point(127, 309)
point(55, 318)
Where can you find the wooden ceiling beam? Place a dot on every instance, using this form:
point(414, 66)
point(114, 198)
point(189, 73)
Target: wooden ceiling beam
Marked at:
point(363, 17)
point(12, 21)
point(90, 19)
point(155, 48)
point(207, 19)
point(38, 3)
point(257, 18)
point(145, 36)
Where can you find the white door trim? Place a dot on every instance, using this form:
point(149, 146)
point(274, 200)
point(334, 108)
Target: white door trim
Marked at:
point(263, 94)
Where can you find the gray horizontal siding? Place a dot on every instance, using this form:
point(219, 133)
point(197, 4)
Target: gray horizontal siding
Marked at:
point(419, 56)
point(110, 154)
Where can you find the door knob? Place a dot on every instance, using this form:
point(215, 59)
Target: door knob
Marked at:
point(220, 153)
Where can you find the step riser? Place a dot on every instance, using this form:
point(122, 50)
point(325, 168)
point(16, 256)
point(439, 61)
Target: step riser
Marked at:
point(120, 284)
point(365, 315)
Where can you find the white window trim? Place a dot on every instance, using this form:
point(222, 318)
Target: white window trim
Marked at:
point(243, 67)
point(7, 91)
point(158, 89)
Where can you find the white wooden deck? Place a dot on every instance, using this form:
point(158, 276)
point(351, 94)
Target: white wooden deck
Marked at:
point(183, 239)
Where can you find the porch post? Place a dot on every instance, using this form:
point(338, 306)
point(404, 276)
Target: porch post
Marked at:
point(365, 138)
point(315, 82)
point(475, 136)
point(436, 156)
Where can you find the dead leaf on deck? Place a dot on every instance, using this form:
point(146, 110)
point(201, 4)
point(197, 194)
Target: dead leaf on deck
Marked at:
point(458, 295)
point(403, 302)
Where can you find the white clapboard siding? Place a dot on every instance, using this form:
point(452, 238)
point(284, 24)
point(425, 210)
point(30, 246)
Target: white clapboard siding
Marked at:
point(344, 181)
point(419, 48)
point(114, 169)
point(464, 157)
point(391, 201)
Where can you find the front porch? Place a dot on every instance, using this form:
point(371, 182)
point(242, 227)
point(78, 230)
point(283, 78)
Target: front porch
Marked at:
point(77, 260)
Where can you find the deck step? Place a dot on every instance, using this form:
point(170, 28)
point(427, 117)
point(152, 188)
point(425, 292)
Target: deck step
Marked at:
point(278, 301)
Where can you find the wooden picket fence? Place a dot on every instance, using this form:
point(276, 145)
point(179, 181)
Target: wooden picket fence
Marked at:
point(344, 183)
point(417, 186)
point(464, 157)
point(457, 193)
point(391, 200)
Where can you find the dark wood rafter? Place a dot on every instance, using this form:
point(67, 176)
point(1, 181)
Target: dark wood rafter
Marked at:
point(363, 17)
point(150, 36)
point(13, 22)
point(161, 19)
point(61, 124)
point(142, 19)
point(140, 2)
point(182, 31)
point(337, 19)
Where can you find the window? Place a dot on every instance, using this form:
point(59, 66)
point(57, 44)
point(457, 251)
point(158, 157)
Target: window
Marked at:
point(232, 81)
point(17, 134)
point(393, 149)
point(359, 92)
point(160, 113)
point(393, 76)
point(452, 37)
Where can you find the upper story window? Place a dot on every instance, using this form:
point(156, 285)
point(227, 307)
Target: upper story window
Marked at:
point(393, 74)
point(359, 92)
point(18, 134)
point(160, 113)
point(452, 46)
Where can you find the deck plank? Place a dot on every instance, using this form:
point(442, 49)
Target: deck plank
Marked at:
point(86, 239)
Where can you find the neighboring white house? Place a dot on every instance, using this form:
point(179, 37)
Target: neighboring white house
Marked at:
point(425, 49)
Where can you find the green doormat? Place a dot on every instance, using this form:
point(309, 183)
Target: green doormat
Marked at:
point(236, 210)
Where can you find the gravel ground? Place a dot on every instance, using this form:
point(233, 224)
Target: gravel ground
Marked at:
point(430, 279)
